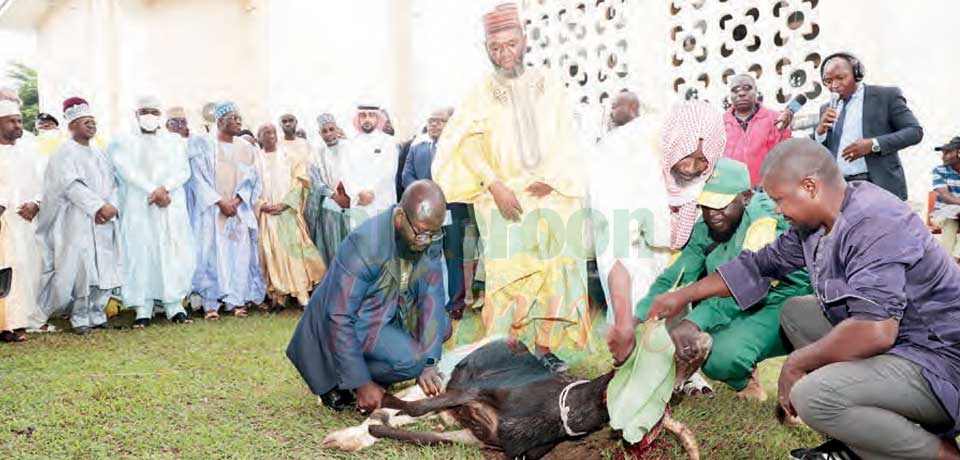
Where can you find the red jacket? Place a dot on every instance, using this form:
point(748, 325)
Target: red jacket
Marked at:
point(751, 146)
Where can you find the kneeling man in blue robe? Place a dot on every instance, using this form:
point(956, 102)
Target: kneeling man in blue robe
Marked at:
point(378, 316)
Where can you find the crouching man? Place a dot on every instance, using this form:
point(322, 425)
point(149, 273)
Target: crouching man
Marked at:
point(876, 365)
point(378, 316)
point(734, 219)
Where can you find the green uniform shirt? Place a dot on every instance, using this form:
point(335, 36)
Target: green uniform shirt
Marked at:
point(702, 255)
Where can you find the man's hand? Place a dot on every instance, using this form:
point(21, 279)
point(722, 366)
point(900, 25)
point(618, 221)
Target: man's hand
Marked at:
point(227, 208)
point(620, 340)
point(105, 214)
point(784, 120)
point(274, 209)
point(539, 189)
point(789, 375)
point(858, 149)
point(506, 202)
point(827, 121)
point(666, 305)
point(369, 397)
point(430, 381)
point(28, 211)
point(159, 197)
point(365, 197)
point(686, 340)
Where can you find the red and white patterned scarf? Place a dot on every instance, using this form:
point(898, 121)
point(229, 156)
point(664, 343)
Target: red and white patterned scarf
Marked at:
point(685, 126)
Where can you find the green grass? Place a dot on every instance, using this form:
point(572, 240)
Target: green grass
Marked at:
point(225, 390)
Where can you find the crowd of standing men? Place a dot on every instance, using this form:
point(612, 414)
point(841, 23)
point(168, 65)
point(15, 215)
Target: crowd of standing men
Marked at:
point(759, 245)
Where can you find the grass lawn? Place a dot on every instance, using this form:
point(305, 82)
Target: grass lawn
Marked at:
point(225, 390)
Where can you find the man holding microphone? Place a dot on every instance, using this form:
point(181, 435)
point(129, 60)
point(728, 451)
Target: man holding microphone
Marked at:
point(865, 126)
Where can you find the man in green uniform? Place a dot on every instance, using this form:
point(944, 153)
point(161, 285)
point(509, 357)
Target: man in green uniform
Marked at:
point(734, 218)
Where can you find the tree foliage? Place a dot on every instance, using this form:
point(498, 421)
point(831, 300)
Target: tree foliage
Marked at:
point(26, 82)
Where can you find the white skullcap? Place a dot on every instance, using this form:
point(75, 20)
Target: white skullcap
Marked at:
point(8, 108)
point(148, 102)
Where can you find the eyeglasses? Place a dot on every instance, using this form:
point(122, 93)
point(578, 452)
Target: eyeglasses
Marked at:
point(422, 237)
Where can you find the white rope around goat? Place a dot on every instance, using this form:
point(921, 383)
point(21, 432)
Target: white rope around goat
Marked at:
point(564, 410)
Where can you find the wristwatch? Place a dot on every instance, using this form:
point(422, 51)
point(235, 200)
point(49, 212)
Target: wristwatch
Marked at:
point(876, 146)
point(429, 362)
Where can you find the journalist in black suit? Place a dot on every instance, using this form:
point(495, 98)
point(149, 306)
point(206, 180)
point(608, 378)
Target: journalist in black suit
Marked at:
point(868, 127)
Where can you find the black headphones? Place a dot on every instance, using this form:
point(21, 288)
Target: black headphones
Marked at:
point(858, 70)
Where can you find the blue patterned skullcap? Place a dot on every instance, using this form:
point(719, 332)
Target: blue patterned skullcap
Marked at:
point(222, 108)
point(325, 118)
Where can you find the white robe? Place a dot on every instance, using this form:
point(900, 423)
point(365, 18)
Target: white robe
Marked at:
point(631, 220)
point(372, 160)
point(156, 243)
point(21, 182)
point(77, 253)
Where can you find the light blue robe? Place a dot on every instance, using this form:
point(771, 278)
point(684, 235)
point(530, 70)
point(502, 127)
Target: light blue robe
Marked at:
point(156, 243)
point(228, 268)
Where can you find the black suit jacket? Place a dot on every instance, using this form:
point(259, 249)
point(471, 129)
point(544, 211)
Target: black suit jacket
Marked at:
point(887, 119)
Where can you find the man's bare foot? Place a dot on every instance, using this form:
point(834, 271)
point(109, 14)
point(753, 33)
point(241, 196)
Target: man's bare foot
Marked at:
point(754, 390)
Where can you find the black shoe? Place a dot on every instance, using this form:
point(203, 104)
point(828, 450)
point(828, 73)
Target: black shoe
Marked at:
point(338, 400)
point(141, 323)
point(81, 330)
point(830, 450)
point(181, 318)
point(554, 364)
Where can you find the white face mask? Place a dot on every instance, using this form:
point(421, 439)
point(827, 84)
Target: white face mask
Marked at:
point(149, 122)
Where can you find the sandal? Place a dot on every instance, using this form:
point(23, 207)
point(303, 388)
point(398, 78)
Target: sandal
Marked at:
point(240, 312)
point(696, 386)
point(211, 315)
point(141, 323)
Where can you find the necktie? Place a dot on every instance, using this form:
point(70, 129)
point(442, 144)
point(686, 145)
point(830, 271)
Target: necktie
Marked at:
point(837, 131)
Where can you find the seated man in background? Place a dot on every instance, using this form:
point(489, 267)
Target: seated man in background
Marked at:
point(946, 184)
point(734, 219)
point(377, 317)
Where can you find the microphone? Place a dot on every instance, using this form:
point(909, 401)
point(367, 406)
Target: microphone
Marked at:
point(834, 100)
point(793, 106)
point(834, 103)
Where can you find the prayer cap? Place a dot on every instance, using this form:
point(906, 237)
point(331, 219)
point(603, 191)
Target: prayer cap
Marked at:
point(148, 102)
point(223, 108)
point(176, 112)
point(504, 17)
point(729, 178)
point(954, 144)
point(325, 118)
point(9, 107)
point(75, 107)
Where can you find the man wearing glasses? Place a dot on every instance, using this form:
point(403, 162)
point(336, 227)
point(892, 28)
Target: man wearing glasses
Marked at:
point(177, 122)
point(378, 317)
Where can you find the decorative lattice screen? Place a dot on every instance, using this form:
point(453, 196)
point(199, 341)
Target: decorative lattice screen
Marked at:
point(774, 40)
point(585, 42)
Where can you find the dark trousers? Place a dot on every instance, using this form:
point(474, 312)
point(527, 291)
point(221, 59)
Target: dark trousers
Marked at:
point(457, 271)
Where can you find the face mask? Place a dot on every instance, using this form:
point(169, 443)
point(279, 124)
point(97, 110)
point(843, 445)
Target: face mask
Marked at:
point(149, 122)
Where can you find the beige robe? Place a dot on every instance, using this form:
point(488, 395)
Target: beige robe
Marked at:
point(290, 262)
